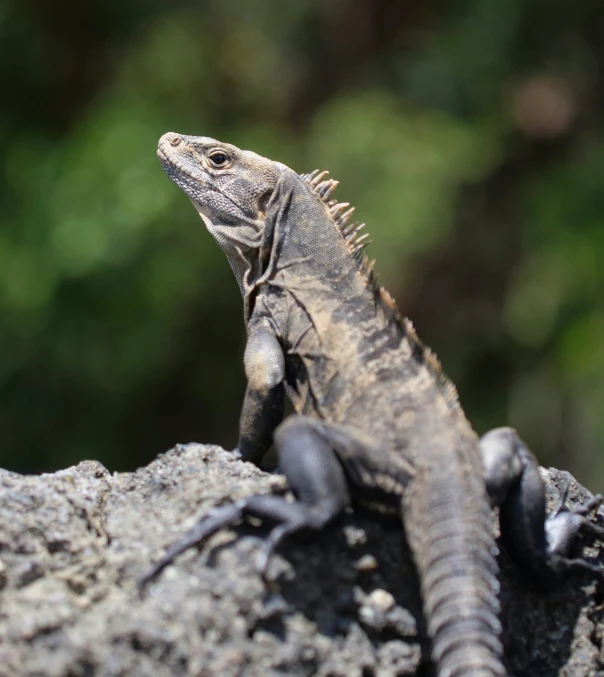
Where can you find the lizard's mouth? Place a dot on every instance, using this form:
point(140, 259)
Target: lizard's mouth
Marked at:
point(165, 157)
point(175, 168)
point(168, 158)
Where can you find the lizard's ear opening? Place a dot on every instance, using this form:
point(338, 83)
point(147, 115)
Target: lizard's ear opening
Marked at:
point(263, 202)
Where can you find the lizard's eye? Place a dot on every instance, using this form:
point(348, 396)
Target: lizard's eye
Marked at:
point(218, 159)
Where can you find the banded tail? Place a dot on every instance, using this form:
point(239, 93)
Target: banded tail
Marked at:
point(448, 528)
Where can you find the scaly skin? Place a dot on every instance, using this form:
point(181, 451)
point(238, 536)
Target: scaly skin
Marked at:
point(376, 422)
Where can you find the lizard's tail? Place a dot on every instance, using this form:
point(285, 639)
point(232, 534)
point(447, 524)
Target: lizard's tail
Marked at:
point(447, 522)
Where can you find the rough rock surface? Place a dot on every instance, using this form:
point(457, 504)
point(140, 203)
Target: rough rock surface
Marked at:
point(344, 602)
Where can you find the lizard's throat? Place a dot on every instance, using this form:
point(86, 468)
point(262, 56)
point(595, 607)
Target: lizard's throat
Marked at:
point(247, 246)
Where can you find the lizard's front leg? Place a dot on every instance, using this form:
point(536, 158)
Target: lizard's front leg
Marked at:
point(541, 543)
point(262, 409)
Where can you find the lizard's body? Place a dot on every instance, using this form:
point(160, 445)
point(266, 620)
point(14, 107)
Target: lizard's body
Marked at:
point(377, 422)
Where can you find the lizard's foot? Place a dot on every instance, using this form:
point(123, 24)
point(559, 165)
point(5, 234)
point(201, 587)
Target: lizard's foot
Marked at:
point(562, 528)
point(316, 478)
point(290, 517)
point(216, 519)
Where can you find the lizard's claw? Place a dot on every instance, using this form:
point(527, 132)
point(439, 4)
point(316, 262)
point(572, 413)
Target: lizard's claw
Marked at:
point(270, 546)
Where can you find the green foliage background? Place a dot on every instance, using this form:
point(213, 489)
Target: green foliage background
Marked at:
point(468, 134)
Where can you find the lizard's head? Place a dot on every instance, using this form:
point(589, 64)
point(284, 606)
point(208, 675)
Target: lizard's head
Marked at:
point(229, 187)
point(251, 205)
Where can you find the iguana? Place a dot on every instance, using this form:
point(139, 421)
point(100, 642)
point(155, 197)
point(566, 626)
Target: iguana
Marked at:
point(377, 423)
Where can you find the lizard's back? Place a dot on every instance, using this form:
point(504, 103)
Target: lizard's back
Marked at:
point(355, 362)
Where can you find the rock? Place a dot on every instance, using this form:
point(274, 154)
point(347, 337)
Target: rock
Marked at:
point(343, 602)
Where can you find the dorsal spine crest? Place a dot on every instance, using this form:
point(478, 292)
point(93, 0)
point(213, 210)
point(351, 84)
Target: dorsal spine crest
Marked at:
point(340, 214)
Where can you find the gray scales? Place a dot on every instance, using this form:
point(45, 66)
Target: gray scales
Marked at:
point(377, 423)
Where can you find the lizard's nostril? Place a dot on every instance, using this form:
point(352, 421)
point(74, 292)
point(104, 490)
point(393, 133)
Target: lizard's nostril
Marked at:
point(175, 141)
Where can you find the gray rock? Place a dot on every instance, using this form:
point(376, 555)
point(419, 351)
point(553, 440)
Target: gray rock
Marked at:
point(344, 602)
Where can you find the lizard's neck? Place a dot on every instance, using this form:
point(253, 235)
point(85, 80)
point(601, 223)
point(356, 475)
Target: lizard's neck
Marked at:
point(302, 248)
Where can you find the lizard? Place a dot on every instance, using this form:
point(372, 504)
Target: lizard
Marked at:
point(376, 422)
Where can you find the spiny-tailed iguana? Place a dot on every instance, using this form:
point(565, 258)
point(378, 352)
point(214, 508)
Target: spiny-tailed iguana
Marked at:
point(377, 423)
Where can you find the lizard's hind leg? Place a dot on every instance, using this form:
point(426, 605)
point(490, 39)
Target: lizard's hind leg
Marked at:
point(541, 543)
point(315, 477)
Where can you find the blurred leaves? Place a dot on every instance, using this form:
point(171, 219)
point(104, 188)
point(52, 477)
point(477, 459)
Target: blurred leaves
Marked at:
point(468, 135)
point(403, 168)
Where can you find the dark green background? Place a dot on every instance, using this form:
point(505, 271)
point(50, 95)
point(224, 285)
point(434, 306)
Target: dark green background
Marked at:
point(468, 134)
